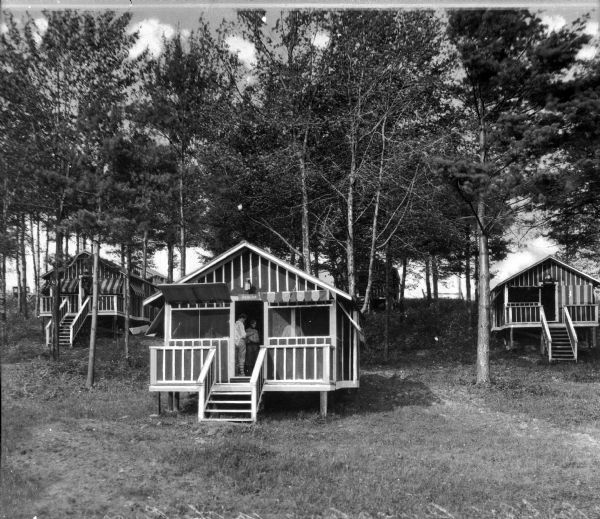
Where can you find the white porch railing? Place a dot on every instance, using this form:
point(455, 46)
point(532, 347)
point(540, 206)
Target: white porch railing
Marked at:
point(110, 304)
point(546, 337)
point(523, 312)
point(179, 364)
point(62, 311)
point(296, 359)
point(257, 381)
point(206, 381)
point(583, 313)
point(571, 331)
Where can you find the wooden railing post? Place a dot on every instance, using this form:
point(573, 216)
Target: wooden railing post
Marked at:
point(153, 366)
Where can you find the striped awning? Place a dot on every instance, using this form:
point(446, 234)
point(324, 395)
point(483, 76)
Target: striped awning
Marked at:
point(296, 296)
point(111, 286)
point(69, 286)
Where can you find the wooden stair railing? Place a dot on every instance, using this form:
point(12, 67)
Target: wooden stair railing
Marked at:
point(63, 310)
point(546, 337)
point(206, 381)
point(79, 320)
point(257, 381)
point(571, 331)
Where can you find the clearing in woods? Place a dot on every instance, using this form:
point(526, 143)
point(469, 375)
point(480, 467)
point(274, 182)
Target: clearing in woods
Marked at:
point(417, 440)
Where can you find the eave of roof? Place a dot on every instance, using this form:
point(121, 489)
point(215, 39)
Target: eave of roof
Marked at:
point(263, 253)
point(108, 262)
point(549, 257)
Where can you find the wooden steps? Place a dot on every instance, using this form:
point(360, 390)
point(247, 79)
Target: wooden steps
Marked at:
point(561, 344)
point(230, 401)
point(64, 334)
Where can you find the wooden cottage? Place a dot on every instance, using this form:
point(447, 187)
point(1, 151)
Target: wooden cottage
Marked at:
point(553, 298)
point(76, 300)
point(309, 334)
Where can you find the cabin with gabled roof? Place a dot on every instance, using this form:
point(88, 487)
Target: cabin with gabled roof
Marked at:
point(75, 295)
point(553, 297)
point(309, 334)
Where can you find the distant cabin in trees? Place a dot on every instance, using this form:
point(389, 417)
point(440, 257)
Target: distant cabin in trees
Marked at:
point(550, 298)
point(378, 285)
point(308, 334)
point(76, 296)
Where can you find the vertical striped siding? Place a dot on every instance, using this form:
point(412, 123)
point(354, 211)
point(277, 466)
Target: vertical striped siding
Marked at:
point(266, 275)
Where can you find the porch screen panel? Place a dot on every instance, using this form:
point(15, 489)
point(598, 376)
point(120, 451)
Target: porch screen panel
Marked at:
point(185, 324)
point(159, 364)
point(270, 359)
point(280, 320)
point(523, 294)
point(214, 323)
point(313, 321)
point(187, 364)
point(310, 363)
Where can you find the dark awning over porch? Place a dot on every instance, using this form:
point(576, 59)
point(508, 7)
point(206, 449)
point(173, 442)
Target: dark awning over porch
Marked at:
point(195, 292)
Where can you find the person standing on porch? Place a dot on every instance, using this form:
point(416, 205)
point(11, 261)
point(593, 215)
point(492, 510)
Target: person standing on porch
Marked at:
point(239, 337)
point(252, 344)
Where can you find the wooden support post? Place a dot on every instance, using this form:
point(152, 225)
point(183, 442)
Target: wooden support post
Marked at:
point(170, 400)
point(323, 407)
point(511, 337)
point(177, 401)
point(158, 401)
point(594, 337)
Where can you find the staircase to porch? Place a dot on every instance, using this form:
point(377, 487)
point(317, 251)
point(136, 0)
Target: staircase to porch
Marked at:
point(231, 402)
point(561, 344)
point(64, 331)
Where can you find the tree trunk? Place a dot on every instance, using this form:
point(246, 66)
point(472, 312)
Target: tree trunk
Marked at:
point(18, 271)
point(56, 299)
point(169, 263)
point(3, 319)
point(428, 277)
point(367, 303)
point(351, 268)
point(24, 267)
point(94, 326)
point(304, 190)
point(34, 261)
point(182, 237)
point(403, 283)
point(468, 264)
point(127, 303)
point(47, 250)
point(483, 318)
point(388, 303)
point(435, 276)
point(145, 255)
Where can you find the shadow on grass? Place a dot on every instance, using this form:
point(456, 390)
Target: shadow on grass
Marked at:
point(376, 394)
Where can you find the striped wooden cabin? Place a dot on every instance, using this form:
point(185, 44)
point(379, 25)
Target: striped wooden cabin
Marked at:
point(553, 297)
point(309, 334)
point(75, 294)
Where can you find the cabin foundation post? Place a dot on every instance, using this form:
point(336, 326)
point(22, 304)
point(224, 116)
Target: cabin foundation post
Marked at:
point(594, 337)
point(170, 400)
point(323, 402)
point(511, 337)
point(158, 402)
point(177, 400)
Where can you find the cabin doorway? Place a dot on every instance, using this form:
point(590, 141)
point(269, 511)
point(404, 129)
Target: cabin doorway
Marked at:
point(254, 310)
point(548, 300)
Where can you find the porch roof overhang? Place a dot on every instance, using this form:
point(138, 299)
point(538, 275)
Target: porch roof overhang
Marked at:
point(195, 292)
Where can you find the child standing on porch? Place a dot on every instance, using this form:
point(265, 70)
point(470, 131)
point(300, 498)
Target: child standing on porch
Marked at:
point(252, 344)
point(239, 337)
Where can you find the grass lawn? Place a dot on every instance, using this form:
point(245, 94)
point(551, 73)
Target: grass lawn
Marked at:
point(418, 439)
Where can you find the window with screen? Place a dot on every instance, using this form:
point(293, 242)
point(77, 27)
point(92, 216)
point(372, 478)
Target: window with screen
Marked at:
point(523, 294)
point(185, 324)
point(313, 320)
point(280, 321)
point(214, 323)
